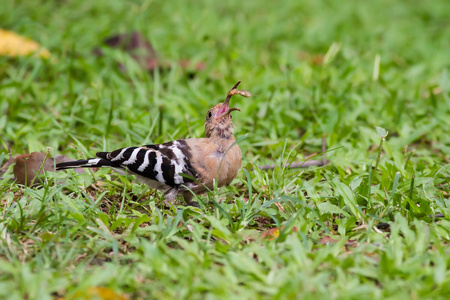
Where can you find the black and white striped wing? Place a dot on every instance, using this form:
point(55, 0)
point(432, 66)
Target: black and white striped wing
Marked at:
point(163, 163)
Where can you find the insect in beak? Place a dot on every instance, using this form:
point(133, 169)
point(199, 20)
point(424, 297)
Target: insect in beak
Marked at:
point(225, 108)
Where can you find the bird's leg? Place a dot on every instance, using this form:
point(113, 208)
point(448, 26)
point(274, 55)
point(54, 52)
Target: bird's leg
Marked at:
point(169, 197)
point(187, 196)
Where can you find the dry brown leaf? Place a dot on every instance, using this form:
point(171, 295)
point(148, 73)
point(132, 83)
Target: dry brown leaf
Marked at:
point(27, 166)
point(12, 44)
point(327, 240)
point(137, 46)
point(142, 51)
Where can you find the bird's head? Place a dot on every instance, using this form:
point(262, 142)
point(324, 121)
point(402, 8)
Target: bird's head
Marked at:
point(218, 119)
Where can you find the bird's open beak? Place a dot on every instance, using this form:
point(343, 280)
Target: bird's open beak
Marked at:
point(225, 108)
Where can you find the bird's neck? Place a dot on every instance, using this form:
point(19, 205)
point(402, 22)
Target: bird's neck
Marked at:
point(222, 140)
point(222, 133)
point(222, 130)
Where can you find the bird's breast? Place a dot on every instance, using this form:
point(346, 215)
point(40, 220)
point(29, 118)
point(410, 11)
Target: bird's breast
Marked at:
point(215, 161)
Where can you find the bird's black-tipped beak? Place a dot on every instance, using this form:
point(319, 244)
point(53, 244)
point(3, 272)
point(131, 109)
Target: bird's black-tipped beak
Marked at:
point(225, 108)
point(223, 111)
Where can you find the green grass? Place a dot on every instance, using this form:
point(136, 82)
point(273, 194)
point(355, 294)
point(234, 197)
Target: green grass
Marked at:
point(316, 68)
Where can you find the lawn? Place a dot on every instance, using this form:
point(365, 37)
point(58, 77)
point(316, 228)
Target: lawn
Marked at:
point(370, 78)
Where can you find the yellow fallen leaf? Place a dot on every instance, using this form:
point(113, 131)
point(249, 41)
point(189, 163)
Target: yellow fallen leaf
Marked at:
point(105, 294)
point(12, 44)
point(275, 232)
point(98, 293)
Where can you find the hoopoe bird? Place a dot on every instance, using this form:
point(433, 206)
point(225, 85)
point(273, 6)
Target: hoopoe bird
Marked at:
point(180, 167)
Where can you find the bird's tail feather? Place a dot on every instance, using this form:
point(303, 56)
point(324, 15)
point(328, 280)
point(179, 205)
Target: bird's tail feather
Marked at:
point(85, 163)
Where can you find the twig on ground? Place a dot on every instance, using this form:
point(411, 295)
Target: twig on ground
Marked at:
point(298, 164)
point(304, 164)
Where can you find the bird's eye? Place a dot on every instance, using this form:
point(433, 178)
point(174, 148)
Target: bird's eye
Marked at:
point(209, 115)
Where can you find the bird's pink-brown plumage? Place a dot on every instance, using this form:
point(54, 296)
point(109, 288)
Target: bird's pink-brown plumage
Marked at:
point(183, 166)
